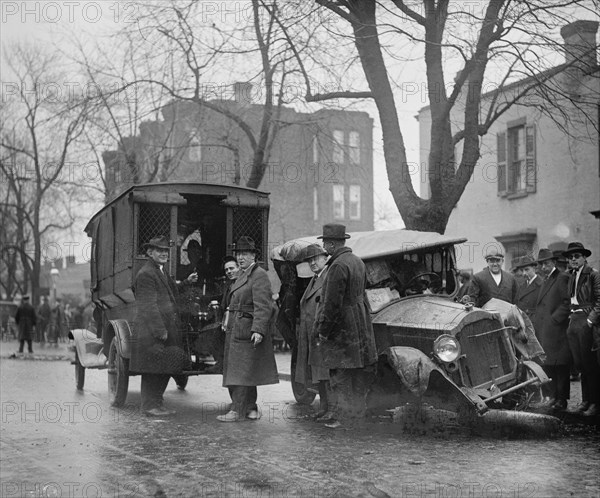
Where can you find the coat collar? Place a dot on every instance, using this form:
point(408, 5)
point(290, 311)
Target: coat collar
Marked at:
point(315, 284)
point(243, 277)
point(338, 252)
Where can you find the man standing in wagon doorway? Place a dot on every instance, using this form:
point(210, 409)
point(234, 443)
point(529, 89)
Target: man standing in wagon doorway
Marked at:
point(346, 342)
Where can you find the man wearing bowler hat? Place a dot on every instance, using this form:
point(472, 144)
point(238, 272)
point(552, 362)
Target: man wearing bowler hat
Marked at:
point(550, 323)
point(529, 288)
point(346, 342)
point(584, 295)
point(156, 346)
point(493, 281)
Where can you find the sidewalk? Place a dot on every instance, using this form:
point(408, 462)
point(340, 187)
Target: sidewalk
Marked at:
point(60, 352)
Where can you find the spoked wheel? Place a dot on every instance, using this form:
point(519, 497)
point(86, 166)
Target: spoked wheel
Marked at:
point(79, 372)
point(302, 395)
point(118, 375)
point(181, 381)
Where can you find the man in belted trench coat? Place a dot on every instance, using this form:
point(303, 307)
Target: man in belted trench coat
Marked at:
point(249, 360)
point(550, 323)
point(343, 327)
point(156, 343)
point(584, 294)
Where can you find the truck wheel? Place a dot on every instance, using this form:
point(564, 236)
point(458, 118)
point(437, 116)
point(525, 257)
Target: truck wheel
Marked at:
point(79, 373)
point(118, 375)
point(181, 381)
point(302, 395)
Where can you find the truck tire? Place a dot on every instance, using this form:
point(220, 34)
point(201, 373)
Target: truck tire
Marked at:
point(79, 373)
point(118, 375)
point(302, 395)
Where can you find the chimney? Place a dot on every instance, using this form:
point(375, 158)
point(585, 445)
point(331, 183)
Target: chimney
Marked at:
point(580, 46)
point(242, 92)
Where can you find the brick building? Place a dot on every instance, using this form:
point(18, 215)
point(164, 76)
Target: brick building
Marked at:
point(538, 179)
point(320, 167)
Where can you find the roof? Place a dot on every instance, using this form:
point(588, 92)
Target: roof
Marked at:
point(380, 243)
point(184, 187)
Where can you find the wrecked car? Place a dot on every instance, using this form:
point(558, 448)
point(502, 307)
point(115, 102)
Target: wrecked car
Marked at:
point(444, 353)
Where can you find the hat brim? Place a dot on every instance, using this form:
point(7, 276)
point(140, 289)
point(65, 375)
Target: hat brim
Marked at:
point(586, 252)
point(346, 236)
point(549, 258)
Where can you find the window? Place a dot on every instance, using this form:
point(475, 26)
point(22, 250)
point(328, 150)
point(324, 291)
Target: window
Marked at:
point(338, 146)
point(195, 147)
point(354, 204)
point(354, 147)
point(338, 202)
point(516, 160)
point(315, 204)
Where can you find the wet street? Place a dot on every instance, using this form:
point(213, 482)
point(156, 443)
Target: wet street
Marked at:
point(56, 441)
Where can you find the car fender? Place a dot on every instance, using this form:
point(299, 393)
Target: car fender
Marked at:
point(121, 330)
point(89, 348)
point(418, 373)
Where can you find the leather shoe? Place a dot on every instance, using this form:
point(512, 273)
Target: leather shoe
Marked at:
point(592, 411)
point(559, 405)
point(580, 408)
point(253, 415)
point(326, 417)
point(159, 412)
point(230, 416)
point(334, 425)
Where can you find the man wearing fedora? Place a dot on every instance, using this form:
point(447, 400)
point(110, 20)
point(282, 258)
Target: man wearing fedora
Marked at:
point(493, 281)
point(584, 295)
point(249, 360)
point(343, 327)
point(529, 288)
point(157, 347)
point(309, 366)
point(550, 323)
point(25, 319)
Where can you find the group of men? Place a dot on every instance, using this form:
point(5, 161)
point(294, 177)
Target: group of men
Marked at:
point(564, 307)
point(340, 333)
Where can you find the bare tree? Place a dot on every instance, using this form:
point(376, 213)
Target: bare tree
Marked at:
point(499, 41)
point(42, 122)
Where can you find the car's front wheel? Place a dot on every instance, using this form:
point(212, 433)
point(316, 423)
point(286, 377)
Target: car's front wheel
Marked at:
point(302, 395)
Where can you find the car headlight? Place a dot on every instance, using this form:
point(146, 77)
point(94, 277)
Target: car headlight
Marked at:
point(446, 348)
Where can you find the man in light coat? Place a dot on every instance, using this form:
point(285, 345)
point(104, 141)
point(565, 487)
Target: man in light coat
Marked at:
point(343, 327)
point(249, 360)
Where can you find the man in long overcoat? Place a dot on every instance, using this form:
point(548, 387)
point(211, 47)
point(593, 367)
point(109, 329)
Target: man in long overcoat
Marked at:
point(309, 367)
point(550, 323)
point(249, 360)
point(156, 343)
point(493, 281)
point(44, 313)
point(584, 293)
point(343, 327)
point(25, 319)
point(529, 288)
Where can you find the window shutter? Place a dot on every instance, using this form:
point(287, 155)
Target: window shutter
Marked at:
point(501, 156)
point(531, 174)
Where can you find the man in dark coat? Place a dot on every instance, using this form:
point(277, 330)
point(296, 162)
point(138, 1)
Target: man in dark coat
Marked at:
point(249, 360)
point(25, 319)
point(584, 292)
point(493, 281)
point(156, 343)
point(529, 288)
point(551, 322)
point(343, 327)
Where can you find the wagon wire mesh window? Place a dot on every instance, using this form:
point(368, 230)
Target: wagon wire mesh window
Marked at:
point(249, 222)
point(154, 220)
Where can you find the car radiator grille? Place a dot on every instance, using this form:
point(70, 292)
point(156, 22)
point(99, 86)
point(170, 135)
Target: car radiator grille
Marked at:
point(487, 357)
